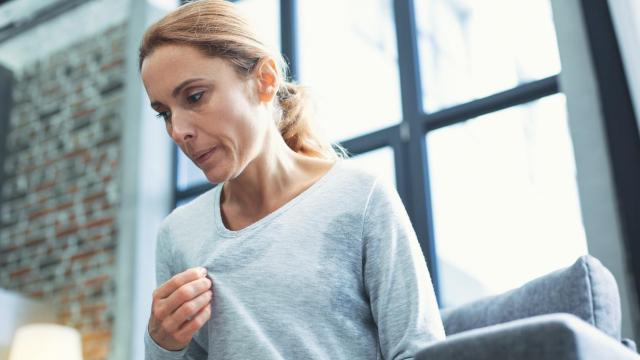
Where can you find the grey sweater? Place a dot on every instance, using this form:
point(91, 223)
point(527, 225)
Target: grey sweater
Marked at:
point(335, 273)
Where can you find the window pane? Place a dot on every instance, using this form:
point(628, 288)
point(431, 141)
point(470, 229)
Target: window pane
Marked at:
point(348, 59)
point(379, 162)
point(188, 173)
point(264, 17)
point(505, 199)
point(471, 49)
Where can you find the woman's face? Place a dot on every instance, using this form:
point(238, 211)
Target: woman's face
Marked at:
point(210, 112)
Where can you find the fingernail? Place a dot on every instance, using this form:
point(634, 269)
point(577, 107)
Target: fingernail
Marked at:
point(203, 271)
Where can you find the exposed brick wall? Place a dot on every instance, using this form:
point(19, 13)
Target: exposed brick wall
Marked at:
point(59, 201)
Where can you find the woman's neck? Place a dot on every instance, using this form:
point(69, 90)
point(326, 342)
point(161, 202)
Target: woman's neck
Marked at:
point(261, 183)
point(274, 177)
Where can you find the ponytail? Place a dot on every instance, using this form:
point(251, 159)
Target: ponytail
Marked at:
point(296, 127)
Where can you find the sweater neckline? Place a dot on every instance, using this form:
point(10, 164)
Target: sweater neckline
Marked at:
point(222, 230)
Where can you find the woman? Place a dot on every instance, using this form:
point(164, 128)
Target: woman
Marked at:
point(296, 255)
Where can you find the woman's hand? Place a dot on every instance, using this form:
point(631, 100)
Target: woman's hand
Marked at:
point(180, 307)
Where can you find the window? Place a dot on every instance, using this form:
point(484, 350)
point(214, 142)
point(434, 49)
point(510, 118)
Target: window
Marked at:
point(504, 189)
point(457, 104)
point(500, 160)
point(264, 16)
point(350, 66)
point(378, 162)
point(472, 49)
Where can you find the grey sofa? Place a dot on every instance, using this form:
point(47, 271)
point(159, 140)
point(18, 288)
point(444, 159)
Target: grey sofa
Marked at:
point(572, 313)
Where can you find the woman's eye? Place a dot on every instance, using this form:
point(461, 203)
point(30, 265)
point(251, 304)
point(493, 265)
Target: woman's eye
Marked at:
point(164, 115)
point(191, 99)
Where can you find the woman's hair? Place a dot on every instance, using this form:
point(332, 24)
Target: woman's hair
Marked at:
point(216, 28)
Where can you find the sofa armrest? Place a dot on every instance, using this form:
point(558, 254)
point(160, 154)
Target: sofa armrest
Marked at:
point(585, 289)
point(553, 336)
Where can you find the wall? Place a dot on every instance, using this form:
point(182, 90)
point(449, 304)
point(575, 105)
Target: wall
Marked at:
point(143, 184)
point(60, 198)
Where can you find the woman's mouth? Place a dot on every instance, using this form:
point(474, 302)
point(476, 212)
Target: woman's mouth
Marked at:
point(204, 157)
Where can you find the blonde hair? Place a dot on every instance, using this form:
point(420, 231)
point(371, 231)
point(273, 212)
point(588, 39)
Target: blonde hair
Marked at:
point(216, 28)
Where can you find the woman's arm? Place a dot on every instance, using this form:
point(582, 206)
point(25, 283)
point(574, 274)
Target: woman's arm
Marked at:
point(396, 278)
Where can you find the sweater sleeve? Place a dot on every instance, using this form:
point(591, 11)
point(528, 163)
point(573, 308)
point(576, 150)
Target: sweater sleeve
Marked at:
point(396, 278)
point(153, 351)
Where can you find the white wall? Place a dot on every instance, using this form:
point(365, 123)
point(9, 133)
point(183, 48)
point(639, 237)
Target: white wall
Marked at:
point(146, 184)
point(594, 176)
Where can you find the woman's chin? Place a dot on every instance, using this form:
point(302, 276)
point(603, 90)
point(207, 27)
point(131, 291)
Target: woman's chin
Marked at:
point(216, 176)
point(214, 179)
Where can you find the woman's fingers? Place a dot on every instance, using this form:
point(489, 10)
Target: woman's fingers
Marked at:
point(177, 281)
point(180, 307)
point(187, 311)
point(189, 316)
point(197, 321)
point(165, 307)
point(188, 292)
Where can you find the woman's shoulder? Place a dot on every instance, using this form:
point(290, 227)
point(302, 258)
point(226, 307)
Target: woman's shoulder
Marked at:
point(352, 184)
point(355, 174)
point(372, 183)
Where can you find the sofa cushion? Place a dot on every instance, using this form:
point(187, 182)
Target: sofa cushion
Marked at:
point(586, 289)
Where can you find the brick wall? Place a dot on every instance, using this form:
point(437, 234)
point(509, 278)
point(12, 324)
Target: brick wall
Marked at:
point(59, 201)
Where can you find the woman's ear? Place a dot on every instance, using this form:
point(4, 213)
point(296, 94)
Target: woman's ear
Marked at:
point(267, 79)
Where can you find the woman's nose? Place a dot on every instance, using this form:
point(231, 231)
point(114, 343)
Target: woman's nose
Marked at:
point(181, 127)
